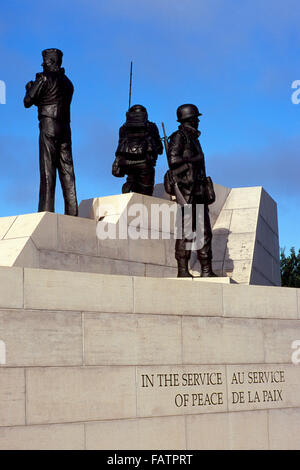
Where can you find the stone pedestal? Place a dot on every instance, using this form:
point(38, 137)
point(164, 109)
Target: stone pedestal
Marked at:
point(104, 349)
point(118, 362)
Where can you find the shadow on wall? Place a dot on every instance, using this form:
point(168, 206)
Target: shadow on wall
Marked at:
point(223, 266)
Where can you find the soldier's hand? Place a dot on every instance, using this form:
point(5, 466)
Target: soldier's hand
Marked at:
point(28, 85)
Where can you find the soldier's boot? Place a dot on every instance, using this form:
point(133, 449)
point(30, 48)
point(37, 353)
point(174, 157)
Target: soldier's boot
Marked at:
point(206, 268)
point(127, 187)
point(183, 268)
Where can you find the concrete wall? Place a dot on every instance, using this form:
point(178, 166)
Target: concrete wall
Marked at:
point(79, 345)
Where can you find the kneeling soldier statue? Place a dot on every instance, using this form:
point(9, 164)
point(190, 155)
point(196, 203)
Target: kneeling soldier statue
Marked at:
point(52, 93)
point(138, 148)
point(187, 174)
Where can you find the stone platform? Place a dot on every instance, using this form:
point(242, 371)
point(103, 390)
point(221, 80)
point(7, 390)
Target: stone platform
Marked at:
point(119, 362)
point(102, 348)
point(245, 238)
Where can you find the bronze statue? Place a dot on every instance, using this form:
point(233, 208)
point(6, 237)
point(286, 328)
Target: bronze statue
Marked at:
point(52, 93)
point(187, 180)
point(138, 148)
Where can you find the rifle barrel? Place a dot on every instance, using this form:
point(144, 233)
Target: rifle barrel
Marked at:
point(165, 138)
point(130, 85)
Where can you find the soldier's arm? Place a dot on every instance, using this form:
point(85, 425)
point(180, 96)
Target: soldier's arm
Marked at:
point(33, 90)
point(122, 135)
point(175, 150)
point(157, 139)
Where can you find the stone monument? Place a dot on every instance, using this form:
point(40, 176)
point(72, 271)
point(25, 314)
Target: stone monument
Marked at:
point(106, 349)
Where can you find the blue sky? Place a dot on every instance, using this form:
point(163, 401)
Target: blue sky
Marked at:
point(235, 59)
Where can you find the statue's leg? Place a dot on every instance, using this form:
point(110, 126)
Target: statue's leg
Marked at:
point(128, 186)
point(145, 178)
point(205, 253)
point(47, 147)
point(182, 252)
point(67, 178)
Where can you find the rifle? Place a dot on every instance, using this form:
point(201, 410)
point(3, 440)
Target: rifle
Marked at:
point(179, 197)
point(130, 85)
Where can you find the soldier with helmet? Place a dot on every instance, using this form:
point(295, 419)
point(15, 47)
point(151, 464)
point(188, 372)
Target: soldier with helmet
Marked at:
point(52, 93)
point(138, 148)
point(187, 167)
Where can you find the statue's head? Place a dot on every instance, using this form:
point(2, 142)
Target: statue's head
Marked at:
point(188, 113)
point(52, 59)
point(137, 115)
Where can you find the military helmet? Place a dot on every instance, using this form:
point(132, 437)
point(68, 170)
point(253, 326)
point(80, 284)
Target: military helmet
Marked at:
point(55, 54)
point(187, 111)
point(136, 116)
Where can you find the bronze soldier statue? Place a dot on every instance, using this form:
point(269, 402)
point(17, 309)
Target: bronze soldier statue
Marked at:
point(52, 93)
point(187, 174)
point(138, 148)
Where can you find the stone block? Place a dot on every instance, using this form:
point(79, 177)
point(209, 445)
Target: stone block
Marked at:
point(76, 234)
point(88, 208)
point(18, 252)
point(249, 430)
point(24, 225)
point(11, 287)
point(278, 338)
point(153, 296)
point(36, 338)
point(258, 279)
point(62, 290)
point(284, 428)
point(153, 270)
point(228, 431)
point(41, 227)
point(276, 275)
point(222, 224)
point(45, 437)
point(263, 261)
point(111, 339)
point(147, 251)
point(267, 238)
point(262, 386)
point(111, 248)
point(170, 253)
point(208, 431)
point(221, 195)
point(74, 394)
point(134, 269)
point(159, 214)
point(222, 340)
point(244, 220)
point(59, 260)
point(268, 210)
point(219, 246)
point(238, 270)
point(5, 224)
point(243, 198)
point(29, 255)
point(141, 434)
point(217, 280)
point(240, 246)
point(180, 390)
point(12, 397)
point(259, 302)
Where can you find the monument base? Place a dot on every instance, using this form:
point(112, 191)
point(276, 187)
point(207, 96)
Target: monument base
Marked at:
point(119, 362)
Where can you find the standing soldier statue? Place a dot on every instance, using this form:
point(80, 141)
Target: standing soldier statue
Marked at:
point(52, 93)
point(187, 180)
point(138, 148)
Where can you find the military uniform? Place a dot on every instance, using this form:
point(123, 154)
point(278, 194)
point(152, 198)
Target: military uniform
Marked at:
point(186, 161)
point(136, 155)
point(52, 93)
